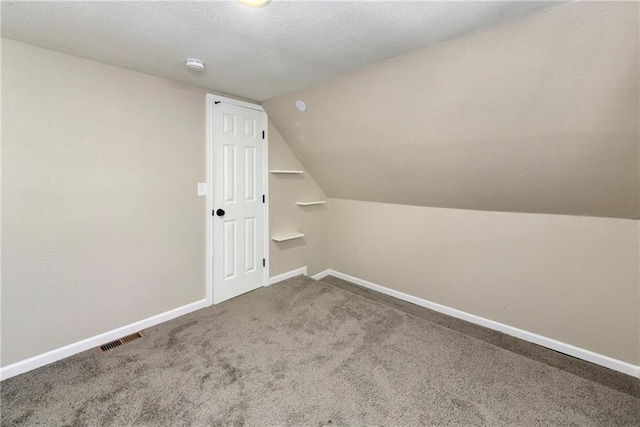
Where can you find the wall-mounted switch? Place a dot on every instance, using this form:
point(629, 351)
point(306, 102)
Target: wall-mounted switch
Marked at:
point(202, 189)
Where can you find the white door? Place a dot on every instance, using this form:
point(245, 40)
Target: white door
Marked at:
point(238, 200)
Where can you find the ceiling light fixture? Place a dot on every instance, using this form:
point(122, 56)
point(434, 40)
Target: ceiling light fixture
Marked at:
point(254, 3)
point(301, 106)
point(194, 64)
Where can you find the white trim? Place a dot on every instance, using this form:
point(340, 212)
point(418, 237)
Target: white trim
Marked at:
point(323, 274)
point(288, 275)
point(95, 341)
point(580, 353)
point(265, 189)
point(208, 264)
point(211, 99)
point(236, 102)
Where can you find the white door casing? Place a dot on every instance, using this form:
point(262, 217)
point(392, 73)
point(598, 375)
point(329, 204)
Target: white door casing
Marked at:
point(237, 177)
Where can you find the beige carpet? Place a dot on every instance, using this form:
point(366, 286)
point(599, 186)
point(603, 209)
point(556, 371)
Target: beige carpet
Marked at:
point(310, 353)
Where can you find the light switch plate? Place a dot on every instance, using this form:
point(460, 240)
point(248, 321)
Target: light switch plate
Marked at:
point(202, 189)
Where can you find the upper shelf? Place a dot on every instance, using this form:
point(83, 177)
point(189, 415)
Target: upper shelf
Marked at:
point(315, 202)
point(286, 171)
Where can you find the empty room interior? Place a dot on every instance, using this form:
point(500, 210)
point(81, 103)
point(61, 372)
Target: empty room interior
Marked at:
point(320, 213)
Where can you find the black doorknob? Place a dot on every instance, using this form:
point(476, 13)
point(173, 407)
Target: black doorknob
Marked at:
point(220, 212)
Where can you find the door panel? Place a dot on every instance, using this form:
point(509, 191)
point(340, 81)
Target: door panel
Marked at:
point(249, 244)
point(250, 174)
point(238, 175)
point(229, 173)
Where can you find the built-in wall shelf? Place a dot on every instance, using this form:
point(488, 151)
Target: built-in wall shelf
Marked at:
point(315, 202)
point(288, 236)
point(289, 171)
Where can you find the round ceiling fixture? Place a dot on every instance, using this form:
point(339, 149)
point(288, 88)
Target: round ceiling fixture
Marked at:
point(194, 64)
point(301, 106)
point(254, 3)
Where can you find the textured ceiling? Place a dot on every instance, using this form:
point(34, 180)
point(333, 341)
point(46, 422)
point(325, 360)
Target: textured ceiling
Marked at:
point(252, 53)
point(536, 116)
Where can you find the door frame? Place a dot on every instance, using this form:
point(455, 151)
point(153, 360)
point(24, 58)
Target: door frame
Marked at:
point(211, 101)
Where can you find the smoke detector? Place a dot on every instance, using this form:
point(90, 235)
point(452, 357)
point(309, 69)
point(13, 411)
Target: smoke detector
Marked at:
point(194, 64)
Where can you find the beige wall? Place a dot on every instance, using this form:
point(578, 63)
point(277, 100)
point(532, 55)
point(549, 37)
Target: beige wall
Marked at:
point(539, 115)
point(573, 279)
point(285, 216)
point(101, 225)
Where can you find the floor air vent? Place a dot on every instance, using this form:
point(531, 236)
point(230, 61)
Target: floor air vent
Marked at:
point(119, 342)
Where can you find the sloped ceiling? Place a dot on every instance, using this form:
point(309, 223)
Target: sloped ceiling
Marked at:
point(537, 116)
point(251, 53)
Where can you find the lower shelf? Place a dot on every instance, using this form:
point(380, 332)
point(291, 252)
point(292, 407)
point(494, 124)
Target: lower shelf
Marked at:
point(288, 236)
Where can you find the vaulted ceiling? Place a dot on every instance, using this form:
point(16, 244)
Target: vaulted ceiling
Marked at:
point(251, 53)
point(536, 116)
point(504, 106)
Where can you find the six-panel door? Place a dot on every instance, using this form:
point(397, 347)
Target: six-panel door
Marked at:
point(238, 150)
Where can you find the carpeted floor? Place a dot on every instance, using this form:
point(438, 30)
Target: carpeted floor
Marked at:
point(312, 353)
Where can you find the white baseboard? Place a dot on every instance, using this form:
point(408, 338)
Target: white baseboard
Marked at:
point(580, 353)
point(86, 344)
point(288, 275)
point(322, 274)
point(95, 341)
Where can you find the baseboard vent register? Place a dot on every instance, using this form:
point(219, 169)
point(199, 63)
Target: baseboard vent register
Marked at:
point(117, 343)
